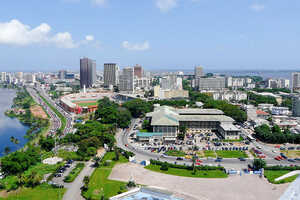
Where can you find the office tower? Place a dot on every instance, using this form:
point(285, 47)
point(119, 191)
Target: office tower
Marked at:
point(296, 106)
point(198, 72)
point(284, 83)
point(211, 83)
point(138, 71)
point(127, 80)
point(296, 81)
point(111, 74)
point(87, 72)
point(62, 74)
point(3, 77)
point(19, 75)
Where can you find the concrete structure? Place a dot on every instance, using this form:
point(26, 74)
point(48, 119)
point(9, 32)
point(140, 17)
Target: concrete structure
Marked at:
point(111, 74)
point(126, 80)
point(169, 94)
point(3, 77)
point(87, 72)
point(230, 95)
point(296, 106)
point(210, 83)
point(198, 72)
point(167, 120)
point(138, 71)
point(171, 82)
point(278, 83)
point(73, 102)
point(62, 74)
point(143, 82)
point(296, 81)
point(280, 111)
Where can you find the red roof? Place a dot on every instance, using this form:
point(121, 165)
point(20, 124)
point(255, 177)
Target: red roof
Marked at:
point(260, 112)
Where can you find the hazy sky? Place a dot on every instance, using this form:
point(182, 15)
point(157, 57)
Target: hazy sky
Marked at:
point(158, 34)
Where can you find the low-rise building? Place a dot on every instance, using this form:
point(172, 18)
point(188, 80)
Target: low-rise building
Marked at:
point(167, 120)
point(280, 111)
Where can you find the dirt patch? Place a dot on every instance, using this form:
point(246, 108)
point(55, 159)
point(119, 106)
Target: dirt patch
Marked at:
point(37, 111)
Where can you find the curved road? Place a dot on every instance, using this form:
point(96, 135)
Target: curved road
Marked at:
point(228, 163)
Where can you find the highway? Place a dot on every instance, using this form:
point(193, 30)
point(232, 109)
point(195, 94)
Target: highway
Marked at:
point(55, 120)
point(228, 163)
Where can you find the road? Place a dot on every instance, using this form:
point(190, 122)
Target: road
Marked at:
point(55, 122)
point(73, 189)
point(69, 126)
point(228, 163)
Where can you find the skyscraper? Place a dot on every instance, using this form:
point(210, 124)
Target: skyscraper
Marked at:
point(296, 81)
point(62, 74)
point(198, 72)
point(87, 72)
point(127, 80)
point(138, 71)
point(111, 74)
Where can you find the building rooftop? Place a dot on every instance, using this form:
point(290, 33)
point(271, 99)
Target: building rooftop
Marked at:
point(197, 111)
point(229, 127)
point(147, 134)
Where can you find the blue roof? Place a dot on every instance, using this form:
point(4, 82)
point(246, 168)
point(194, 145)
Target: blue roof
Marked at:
point(147, 134)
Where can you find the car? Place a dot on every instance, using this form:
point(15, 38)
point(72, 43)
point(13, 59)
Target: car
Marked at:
point(277, 158)
point(297, 159)
point(179, 158)
point(291, 160)
point(242, 159)
point(283, 156)
point(218, 160)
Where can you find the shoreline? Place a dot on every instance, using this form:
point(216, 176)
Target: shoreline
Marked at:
point(35, 126)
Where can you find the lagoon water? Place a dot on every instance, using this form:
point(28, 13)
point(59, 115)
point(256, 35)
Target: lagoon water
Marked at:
point(10, 127)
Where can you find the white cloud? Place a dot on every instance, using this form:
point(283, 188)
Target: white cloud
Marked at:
point(15, 32)
point(257, 7)
point(136, 47)
point(89, 38)
point(166, 5)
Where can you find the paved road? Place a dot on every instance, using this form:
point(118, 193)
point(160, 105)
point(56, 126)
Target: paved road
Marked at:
point(55, 122)
point(228, 163)
point(73, 189)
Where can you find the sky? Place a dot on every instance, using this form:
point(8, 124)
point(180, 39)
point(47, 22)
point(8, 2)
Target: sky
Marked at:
point(49, 35)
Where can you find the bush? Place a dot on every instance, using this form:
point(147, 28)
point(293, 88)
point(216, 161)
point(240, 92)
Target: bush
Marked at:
point(164, 167)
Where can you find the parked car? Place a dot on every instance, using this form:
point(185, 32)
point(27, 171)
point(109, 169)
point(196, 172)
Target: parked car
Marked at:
point(242, 159)
point(179, 158)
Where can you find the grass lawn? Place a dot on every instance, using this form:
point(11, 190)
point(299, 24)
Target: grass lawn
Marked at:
point(67, 155)
point(99, 184)
point(10, 182)
point(232, 154)
point(210, 153)
point(271, 175)
point(292, 153)
point(175, 153)
point(87, 104)
point(74, 173)
point(44, 192)
point(189, 173)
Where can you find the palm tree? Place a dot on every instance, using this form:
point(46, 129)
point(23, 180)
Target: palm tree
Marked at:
point(7, 150)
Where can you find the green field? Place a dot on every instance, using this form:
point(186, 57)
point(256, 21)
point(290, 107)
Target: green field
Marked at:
point(210, 153)
point(189, 173)
point(100, 185)
point(231, 154)
point(175, 153)
point(271, 175)
point(44, 192)
point(83, 104)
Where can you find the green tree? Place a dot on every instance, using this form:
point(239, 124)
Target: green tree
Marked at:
point(259, 164)
point(7, 150)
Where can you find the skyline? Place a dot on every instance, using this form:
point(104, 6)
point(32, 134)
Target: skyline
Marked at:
point(158, 34)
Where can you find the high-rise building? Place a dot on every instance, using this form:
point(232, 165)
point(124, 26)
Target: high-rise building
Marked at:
point(171, 82)
point(3, 77)
point(62, 74)
point(198, 72)
point(211, 83)
point(127, 80)
point(138, 71)
point(296, 81)
point(19, 75)
point(296, 106)
point(111, 74)
point(87, 72)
